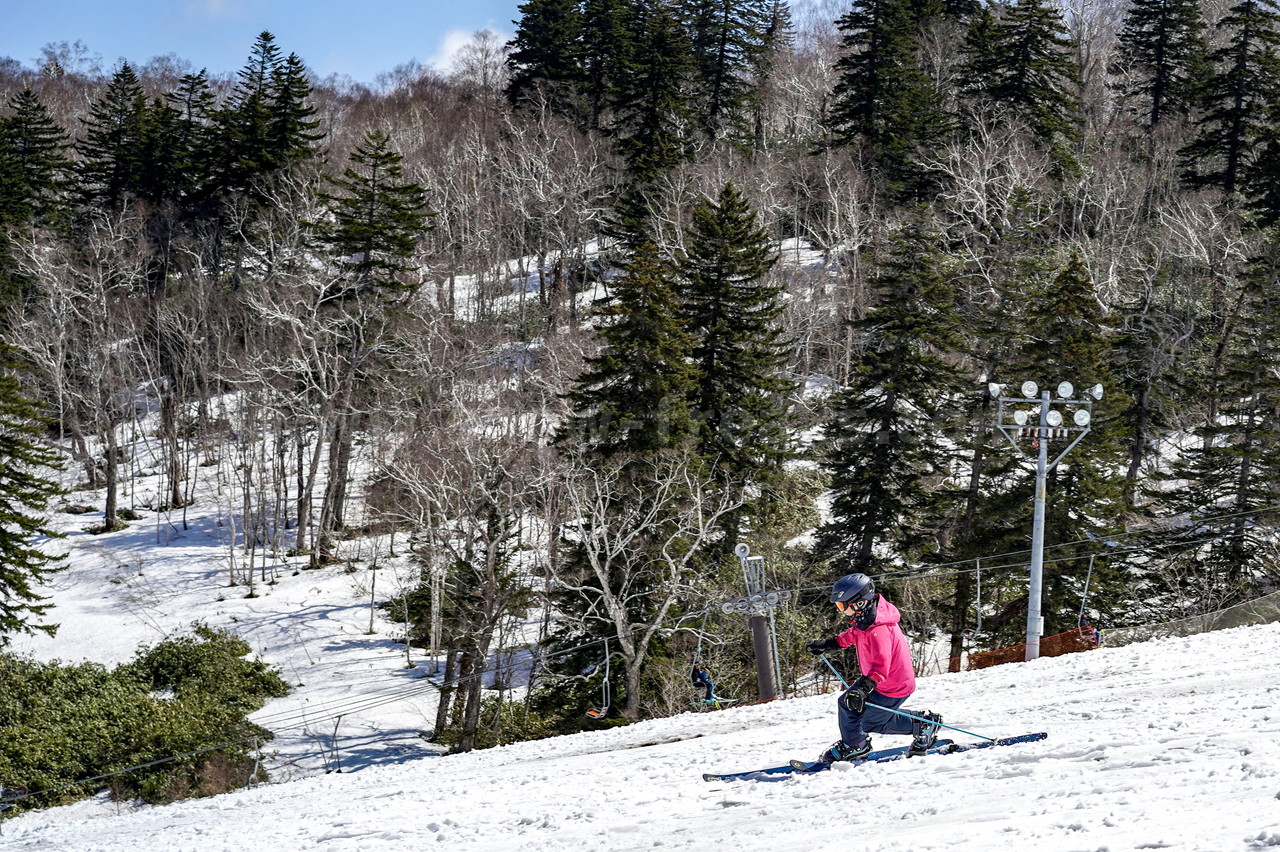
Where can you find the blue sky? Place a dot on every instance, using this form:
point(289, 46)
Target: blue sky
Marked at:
point(359, 38)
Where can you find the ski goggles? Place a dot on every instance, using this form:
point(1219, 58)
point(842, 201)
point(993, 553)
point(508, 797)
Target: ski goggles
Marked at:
point(853, 608)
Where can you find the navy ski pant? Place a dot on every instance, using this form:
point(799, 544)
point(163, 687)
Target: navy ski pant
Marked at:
point(854, 727)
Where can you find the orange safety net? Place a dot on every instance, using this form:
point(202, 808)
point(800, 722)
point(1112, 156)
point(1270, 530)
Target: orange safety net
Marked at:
point(1081, 639)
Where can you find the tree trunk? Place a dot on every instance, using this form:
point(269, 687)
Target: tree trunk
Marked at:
point(111, 477)
point(173, 452)
point(447, 690)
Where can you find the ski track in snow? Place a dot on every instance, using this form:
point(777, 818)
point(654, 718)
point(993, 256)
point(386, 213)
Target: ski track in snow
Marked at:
point(1164, 745)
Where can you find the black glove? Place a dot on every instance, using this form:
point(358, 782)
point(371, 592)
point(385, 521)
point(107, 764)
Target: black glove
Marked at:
point(855, 697)
point(821, 646)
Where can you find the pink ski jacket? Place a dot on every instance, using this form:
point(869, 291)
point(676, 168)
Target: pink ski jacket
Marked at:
point(883, 654)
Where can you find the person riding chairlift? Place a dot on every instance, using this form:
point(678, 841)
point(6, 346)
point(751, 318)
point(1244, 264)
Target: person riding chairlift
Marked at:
point(701, 678)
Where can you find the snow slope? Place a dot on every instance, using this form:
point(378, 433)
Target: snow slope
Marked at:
point(1164, 745)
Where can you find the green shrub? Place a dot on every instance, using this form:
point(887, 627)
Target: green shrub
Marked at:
point(61, 724)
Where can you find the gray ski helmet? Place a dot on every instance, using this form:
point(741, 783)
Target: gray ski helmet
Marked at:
point(852, 588)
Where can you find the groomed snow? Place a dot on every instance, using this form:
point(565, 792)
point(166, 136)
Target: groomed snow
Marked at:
point(1164, 745)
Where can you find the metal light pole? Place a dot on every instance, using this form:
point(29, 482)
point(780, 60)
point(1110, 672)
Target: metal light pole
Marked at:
point(1050, 427)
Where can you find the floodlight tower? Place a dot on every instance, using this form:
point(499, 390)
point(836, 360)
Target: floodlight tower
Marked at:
point(1048, 428)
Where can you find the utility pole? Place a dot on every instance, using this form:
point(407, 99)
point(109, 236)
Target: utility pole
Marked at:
point(760, 605)
point(1048, 427)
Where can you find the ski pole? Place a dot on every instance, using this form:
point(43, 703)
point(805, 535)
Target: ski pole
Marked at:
point(836, 672)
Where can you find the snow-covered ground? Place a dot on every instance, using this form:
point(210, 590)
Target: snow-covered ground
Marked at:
point(1172, 744)
point(1163, 745)
point(138, 585)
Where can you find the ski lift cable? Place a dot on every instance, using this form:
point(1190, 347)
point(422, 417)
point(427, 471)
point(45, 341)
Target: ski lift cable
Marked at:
point(697, 651)
point(1084, 596)
point(288, 719)
point(159, 761)
point(605, 694)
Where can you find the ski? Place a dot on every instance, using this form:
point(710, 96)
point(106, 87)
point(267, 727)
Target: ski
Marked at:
point(804, 767)
point(800, 767)
point(1002, 741)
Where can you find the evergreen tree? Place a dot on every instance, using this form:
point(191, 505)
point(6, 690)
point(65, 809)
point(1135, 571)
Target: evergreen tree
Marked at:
point(545, 56)
point(886, 454)
point(1245, 81)
point(378, 217)
point(34, 173)
point(1234, 469)
point(25, 492)
point(160, 175)
point(196, 141)
point(630, 419)
point(778, 39)
point(1162, 46)
point(607, 42)
point(33, 162)
point(731, 309)
point(1065, 337)
point(632, 399)
point(113, 149)
point(246, 122)
point(884, 101)
point(1019, 58)
point(981, 67)
point(651, 103)
point(726, 40)
point(1155, 365)
point(292, 130)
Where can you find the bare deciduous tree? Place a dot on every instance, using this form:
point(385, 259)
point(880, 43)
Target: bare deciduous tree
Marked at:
point(638, 543)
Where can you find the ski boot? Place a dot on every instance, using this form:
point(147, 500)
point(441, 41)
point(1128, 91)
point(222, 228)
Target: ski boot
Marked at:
point(926, 733)
point(843, 751)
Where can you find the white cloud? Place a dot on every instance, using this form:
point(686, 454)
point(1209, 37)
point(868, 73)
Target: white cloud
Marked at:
point(447, 53)
point(455, 41)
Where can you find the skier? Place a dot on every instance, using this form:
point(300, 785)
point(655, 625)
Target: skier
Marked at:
point(701, 677)
point(887, 676)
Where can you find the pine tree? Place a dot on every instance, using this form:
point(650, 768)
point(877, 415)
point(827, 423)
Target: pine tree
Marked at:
point(1162, 46)
point(1157, 366)
point(378, 217)
point(630, 415)
point(1065, 337)
point(196, 141)
point(1233, 471)
point(886, 454)
point(726, 39)
point(245, 124)
point(1245, 81)
point(34, 173)
point(631, 402)
point(777, 41)
point(545, 57)
point(741, 399)
point(651, 103)
point(33, 162)
point(292, 130)
point(26, 490)
point(607, 42)
point(731, 309)
point(1019, 58)
point(884, 101)
point(113, 149)
point(160, 176)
